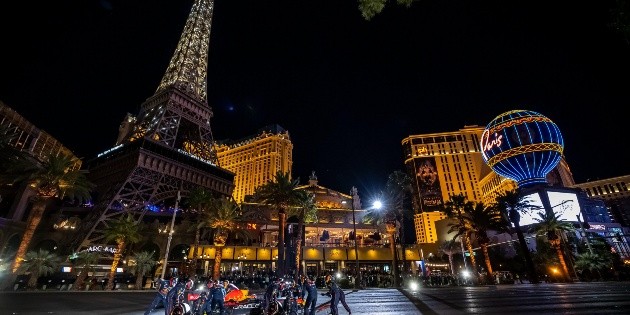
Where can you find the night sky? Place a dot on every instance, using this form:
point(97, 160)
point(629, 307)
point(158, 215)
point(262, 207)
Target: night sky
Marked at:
point(347, 90)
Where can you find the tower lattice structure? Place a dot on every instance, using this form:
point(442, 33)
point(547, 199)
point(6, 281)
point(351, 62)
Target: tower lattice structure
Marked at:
point(168, 147)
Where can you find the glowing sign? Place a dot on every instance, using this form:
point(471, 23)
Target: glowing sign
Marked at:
point(110, 150)
point(422, 150)
point(102, 249)
point(194, 156)
point(488, 144)
point(597, 227)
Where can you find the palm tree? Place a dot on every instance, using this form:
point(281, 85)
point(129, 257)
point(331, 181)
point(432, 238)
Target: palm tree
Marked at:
point(512, 204)
point(400, 186)
point(548, 225)
point(450, 248)
point(305, 212)
point(124, 231)
point(481, 219)
point(200, 200)
point(222, 218)
point(454, 209)
point(85, 261)
point(592, 262)
point(281, 193)
point(142, 262)
point(55, 178)
point(39, 263)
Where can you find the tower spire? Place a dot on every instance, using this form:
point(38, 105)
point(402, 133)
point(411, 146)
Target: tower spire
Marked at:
point(168, 148)
point(187, 69)
point(178, 114)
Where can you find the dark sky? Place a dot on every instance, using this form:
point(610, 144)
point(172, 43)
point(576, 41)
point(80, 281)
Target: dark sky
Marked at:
point(347, 90)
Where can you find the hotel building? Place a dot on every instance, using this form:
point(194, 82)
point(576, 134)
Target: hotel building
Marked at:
point(256, 159)
point(445, 164)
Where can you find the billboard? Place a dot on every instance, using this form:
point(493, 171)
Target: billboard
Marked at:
point(428, 183)
point(563, 204)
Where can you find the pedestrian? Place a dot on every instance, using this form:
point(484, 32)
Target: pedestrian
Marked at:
point(311, 299)
point(273, 290)
point(175, 286)
point(217, 297)
point(336, 295)
point(162, 286)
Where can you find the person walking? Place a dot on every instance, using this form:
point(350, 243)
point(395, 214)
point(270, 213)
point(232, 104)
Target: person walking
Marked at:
point(175, 287)
point(309, 287)
point(336, 295)
point(162, 287)
point(217, 297)
point(273, 290)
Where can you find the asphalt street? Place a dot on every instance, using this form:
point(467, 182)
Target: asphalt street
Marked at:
point(547, 298)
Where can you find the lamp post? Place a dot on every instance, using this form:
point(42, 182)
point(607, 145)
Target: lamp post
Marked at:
point(357, 280)
point(240, 262)
point(170, 234)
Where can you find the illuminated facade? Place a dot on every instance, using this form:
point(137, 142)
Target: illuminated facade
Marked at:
point(615, 192)
point(445, 164)
point(14, 204)
point(256, 159)
point(328, 244)
point(425, 226)
point(450, 163)
point(37, 143)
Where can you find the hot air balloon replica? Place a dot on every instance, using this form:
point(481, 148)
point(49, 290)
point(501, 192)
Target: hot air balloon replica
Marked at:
point(522, 145)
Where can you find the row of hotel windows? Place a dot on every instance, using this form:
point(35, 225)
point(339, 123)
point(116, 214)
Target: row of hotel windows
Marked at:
point(607, 189)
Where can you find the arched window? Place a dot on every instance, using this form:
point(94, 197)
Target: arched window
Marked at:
point(48, 245)
point(178, 252)
point(154, 248)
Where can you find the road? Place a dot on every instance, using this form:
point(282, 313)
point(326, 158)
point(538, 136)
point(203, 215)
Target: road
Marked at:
point(574, 298)
point(545, 298)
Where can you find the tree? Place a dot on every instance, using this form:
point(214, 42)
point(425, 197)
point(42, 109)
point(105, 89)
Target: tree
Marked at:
point(55, 178)
point(370, 8)
point(85, 262)
point(399, 184)
point(480, 219)
point(620, 18)
point(454, 209)
point(281, 193)
point(548, 225)
point(450, 248)
point(222, 219)
point(512, 204)
point(124, 231)
point(39, 263)
point(592, 262)
point(306, 211)
point(200, 200)
point(142, 263)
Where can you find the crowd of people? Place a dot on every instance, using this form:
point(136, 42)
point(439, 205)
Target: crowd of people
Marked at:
point(171, 294)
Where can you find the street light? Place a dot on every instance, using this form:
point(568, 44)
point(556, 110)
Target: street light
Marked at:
point(377, 205)
point(170, 234)
point(240, 262)
point(357, 280)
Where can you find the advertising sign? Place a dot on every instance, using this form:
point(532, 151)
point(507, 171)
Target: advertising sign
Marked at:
point(428, 183)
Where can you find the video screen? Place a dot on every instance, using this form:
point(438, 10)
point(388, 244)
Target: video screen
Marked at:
point(564, 204)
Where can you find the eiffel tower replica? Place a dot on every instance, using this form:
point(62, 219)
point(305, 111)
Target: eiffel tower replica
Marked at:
point(168, 148)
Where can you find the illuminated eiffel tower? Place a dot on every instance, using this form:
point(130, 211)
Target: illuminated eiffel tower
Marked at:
point(168, 147)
